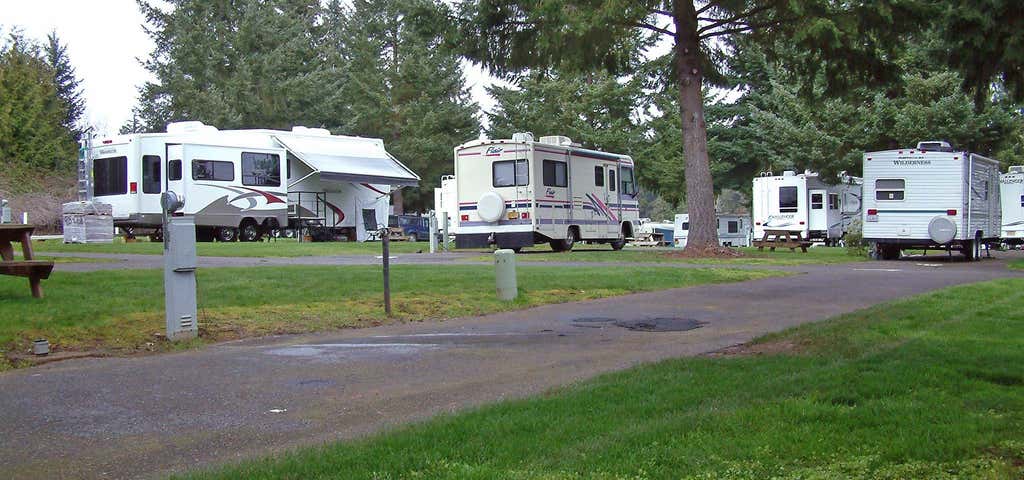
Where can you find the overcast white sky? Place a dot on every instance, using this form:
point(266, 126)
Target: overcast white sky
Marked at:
point(105, 42)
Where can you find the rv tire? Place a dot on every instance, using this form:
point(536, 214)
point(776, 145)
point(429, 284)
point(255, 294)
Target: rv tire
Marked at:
point(617, 244)
point(157, 235)
point(889, 251)
point(249, 231)
point(226, 234)
point(413, 237)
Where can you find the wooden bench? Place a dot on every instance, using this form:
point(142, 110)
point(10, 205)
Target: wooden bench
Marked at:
point(782, 239)
point(34, 270)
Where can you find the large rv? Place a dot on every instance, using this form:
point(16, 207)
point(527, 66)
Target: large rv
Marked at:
point(804, 203)
point(520, 192)
point(733, 230)
point(1011, 192)
point(245, 183)
point(930, 197)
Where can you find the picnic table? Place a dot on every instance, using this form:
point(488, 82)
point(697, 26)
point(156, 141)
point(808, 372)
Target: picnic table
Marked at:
point(782, 239)
point(34, 270)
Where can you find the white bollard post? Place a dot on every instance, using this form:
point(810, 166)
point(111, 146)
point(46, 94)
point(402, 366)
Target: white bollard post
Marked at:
point(433, 231)
point(505, 274)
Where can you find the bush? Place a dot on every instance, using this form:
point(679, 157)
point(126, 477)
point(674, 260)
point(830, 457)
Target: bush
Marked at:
point(854, 240)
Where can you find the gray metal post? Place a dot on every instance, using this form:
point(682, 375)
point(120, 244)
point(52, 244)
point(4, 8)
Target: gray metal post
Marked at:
point(180, 278)
point(385, 241)
point(5, 212)
point(432, 223)
point(505, 274)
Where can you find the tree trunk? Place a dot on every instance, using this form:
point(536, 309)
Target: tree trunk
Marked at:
point(700, 192)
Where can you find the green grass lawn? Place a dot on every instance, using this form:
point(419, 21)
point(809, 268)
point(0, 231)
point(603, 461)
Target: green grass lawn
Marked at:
point(751, 256)
point(1017, 264)
point(280, 248)
point(121, 311)
point(928, 387)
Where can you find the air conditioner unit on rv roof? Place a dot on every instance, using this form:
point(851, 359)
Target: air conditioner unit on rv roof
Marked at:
point(1016, 169)
point(191, 126)
point(934, 146)
point(311, 131)
point(556, 140)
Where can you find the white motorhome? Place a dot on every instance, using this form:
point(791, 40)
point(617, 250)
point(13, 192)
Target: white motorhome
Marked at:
point(1011, 192)
point(519, 192)
point(930, 197)
point(733, 230)
point(806, 204)
point(244, 183)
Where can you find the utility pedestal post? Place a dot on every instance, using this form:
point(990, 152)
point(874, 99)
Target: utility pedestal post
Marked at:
point(432, 227)
point(505, 274)
point(444, 232)
point(179, 271)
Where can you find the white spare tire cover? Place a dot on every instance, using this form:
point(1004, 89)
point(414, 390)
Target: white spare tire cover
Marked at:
point(490, 207)
point(941, 230)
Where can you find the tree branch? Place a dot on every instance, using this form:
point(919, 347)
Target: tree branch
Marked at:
point(654, 28)
point(745, 28)
point(662, 12)
point(707, 7)
point(734, 18)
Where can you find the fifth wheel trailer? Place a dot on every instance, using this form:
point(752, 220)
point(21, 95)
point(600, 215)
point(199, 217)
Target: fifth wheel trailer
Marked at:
point(1011, 192)
point(733, 230)
point(259, 181)
point(805, 203)
point(518, 192)
point(930, 197)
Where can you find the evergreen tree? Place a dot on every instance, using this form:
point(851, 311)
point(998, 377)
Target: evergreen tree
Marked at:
point(67, 83)
point(32, 133)
point(405, 84)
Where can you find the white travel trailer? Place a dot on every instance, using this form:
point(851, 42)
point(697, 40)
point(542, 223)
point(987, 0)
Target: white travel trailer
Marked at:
point(930, 197)
point(733, 230)
point(446, 202)
point(519, 192)
point(244, 183)
point(805, 204)
point(1011, 191)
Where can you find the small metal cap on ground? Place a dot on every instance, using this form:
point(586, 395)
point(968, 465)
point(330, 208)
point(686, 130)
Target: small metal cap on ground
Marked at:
point(505, 274)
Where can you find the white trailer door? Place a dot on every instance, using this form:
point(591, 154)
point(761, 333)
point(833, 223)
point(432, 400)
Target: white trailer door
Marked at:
point(174, 169)
point(817, 219)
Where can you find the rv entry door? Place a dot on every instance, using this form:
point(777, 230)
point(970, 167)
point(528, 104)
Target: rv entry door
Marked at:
point(173, 169)
point(817, 219)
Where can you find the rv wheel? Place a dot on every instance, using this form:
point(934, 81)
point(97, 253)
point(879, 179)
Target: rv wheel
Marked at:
point(413, 237)
point(157, 235)
point(890, 252)
point(227, 234)
point(249, 231)
point(618, 244)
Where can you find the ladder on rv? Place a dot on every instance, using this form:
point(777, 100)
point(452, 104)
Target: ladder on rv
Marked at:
point(85, 168)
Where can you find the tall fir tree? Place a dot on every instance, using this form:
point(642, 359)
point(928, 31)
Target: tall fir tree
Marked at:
point(67, 83)
point(405, 84)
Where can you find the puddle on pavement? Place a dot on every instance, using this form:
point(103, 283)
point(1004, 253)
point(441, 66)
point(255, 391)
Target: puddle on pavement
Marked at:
point(656, 324)
point(330, 351)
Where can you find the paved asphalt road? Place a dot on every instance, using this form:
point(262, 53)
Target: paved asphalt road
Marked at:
point(149, 416)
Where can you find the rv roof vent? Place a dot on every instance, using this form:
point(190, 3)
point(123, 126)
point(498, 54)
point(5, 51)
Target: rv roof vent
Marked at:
point(934, 146)
point(1017, 169)
point(191, 126)
point(522, 137)
point(311, 131)
point(556, 140)
point(788, 173)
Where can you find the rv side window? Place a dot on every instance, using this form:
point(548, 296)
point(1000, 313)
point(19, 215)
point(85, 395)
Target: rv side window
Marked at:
point(685, 226)
point(611, 179)
point(261, 169)
point(110, 176)
point(510, 173)
point(1022, 200)
point(734, 226)
point(555, 174)
point(151, 173)
point(889, 189)
point(817, 201)
point(833, 201)
point(217, 171)
point(174, 170)
point(628, 183)
point(787, 200)
point(598, 176)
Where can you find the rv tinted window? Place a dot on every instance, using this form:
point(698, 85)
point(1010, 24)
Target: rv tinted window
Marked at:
point(833, 201)
point(889, 189)
point(151, 173)
point(817, 201)
point(628, 183)
point(598, 176)
point(110, 176)
point(510, 173)
point(1022, 200)
point(685, 226)
point(611, 179)
point(787, 199)
point(261, 169)
point(174, 170)
point(213, 170)
point(555, 174)
point(734, 226)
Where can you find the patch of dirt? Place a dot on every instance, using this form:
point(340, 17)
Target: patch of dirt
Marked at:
point(754, 349)
point(713, 251)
